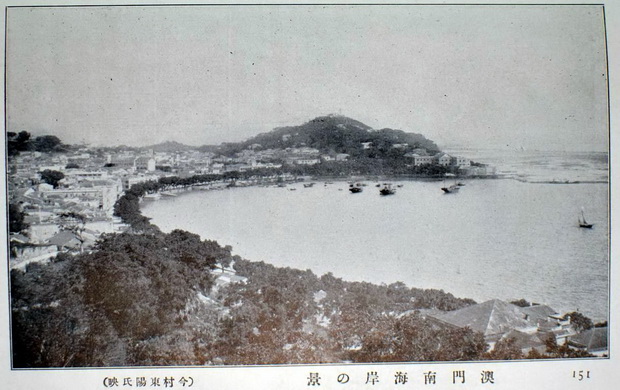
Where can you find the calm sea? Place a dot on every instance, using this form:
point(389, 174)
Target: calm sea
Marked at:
point(503, 238)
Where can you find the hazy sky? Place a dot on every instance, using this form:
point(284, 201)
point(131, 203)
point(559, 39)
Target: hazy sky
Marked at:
point(490, 76)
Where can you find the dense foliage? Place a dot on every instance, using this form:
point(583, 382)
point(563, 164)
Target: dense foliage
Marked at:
point(397, 164)
point(335, 134)
point(16, 218)
point(136, 300)
point(580, 321)
point(52, 177)
point(22, 142)
point(122, 304)
point(284, 315)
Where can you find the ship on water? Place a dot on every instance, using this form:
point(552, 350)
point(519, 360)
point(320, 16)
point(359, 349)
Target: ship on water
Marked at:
point(387, 190)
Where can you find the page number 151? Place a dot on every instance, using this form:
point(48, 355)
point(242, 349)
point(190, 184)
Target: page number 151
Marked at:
point(581, 375)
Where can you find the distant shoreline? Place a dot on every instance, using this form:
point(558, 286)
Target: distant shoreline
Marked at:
point(377, 179)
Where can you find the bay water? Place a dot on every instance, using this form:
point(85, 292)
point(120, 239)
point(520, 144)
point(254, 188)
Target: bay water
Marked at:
point(496, 238)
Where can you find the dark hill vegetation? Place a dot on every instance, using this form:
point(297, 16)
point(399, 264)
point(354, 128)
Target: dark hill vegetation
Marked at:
point(141, 299)
point(122, 304)
point(334, 134)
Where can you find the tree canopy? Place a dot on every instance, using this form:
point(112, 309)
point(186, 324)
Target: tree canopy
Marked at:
point(23, 141)
point(52, 177)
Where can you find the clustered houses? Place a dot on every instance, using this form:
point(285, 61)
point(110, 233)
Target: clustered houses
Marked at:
point(93, 180)
point(70, 215)
point(463, 165)
point(66, 216)
point(529, 326)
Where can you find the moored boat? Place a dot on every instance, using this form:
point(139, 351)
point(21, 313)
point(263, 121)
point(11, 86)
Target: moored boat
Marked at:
point(355, 188)
point(387, 190)
point(454, 188)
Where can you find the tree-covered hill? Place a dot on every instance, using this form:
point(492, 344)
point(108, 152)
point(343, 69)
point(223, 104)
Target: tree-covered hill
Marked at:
point(169, 147)
point(149, 300)
point(334, 134)
point(121, 304)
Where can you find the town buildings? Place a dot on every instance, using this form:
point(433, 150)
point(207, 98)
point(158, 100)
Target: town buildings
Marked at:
point(94, 179)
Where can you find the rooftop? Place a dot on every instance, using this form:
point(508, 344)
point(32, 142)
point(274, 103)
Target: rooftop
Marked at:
point(490, 318)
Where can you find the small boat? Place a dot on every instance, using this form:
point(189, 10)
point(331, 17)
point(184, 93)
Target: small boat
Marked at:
point(583, 223)
point(460, 184)
point(387, 190)
point(308, 185)
point(454, 188)
point(355, 188)
point(451, 189)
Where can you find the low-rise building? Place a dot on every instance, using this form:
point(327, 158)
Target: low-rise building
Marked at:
point(302, 160)
point(497, 320)
point(145, 163)
point(420, 160)
point(594, 341)
point(460, 161)
point(443, 159)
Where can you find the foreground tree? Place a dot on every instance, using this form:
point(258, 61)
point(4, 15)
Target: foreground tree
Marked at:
point(505, 349)
point(16, 219)
point(129, 302)
point(47, 143)
point(52, 177)
point(579, 321)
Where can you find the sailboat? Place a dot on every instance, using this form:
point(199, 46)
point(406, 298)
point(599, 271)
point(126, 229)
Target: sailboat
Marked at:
point(583, 223)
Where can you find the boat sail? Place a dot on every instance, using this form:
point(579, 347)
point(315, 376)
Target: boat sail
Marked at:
point(583, 223)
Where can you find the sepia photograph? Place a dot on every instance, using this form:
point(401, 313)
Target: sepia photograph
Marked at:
point(333, 185)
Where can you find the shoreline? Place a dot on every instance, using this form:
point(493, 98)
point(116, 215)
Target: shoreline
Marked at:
point(298, 185)
point(267, 181)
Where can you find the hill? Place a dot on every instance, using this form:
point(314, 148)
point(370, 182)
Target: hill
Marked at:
point(170, 147)
point(335, 134)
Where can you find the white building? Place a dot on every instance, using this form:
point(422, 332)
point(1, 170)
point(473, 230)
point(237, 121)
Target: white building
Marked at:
point(420, 160)
point(144, 163)
point(443, 159)
point(460, 161)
